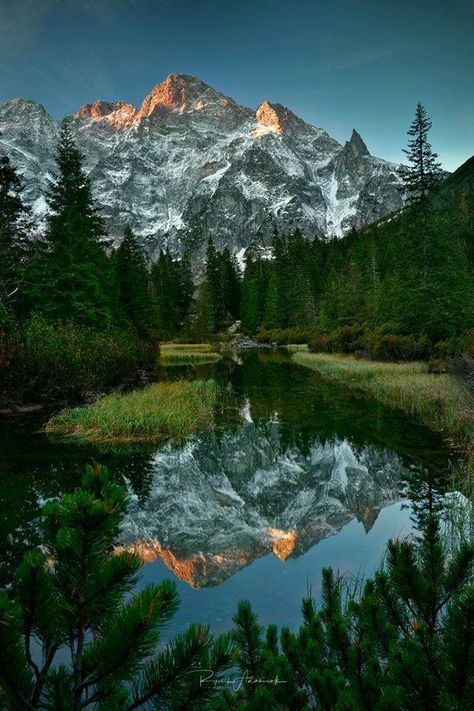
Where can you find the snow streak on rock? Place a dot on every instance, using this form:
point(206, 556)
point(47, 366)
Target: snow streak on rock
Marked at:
point(191, 162)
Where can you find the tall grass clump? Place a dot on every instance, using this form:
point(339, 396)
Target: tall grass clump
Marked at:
point(158, 411)
point(187, 354)
point(440, 401)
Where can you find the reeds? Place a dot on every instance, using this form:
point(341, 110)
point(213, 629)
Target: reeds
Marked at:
point(187, 354)
point(159, 411)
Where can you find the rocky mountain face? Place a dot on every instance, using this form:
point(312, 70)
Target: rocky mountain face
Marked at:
point(219, 502)
point(191, 162)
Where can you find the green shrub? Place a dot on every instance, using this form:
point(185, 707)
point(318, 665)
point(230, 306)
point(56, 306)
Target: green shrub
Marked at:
point(284, 336)
point(40, 360)
point(321, 343)
point(74, 609)
point(380, 345)
point(455, 346)
point(404, 641)
point(394, 347)
point(437, 366)
point(346, 339)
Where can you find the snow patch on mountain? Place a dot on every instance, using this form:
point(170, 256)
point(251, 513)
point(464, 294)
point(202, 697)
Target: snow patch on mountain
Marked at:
point(191, 162)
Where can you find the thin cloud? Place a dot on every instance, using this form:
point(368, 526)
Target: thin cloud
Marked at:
point(20, 24)
point(353, 60)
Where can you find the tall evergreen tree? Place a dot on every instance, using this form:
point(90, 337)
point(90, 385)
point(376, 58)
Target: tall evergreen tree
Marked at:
point(186, 289)
point(74, 274)
point(230, 277)
point(133, 278)
point(168, 298)
point(215, 287)
point(423, 172)
point(15, 224)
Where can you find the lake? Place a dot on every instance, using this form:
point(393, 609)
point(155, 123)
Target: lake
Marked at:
point(299, 474)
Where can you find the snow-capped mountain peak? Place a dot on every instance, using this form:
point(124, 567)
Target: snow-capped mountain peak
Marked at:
point(118, 114)
point(191, 162)
point(356, 145)
point(180, 93)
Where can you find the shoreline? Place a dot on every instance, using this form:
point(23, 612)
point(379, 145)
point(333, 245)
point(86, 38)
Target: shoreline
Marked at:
point(439, 401)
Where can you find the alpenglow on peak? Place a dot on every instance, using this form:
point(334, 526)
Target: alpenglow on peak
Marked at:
point(191, 162)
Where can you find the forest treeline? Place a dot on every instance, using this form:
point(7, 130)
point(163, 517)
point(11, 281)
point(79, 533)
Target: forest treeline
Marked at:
point(78, 314)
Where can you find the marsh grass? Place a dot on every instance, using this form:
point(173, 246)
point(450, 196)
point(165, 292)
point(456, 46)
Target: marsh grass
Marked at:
point(440, 401)
point(159, 411)
point(297, 347)
point(187, 354)
point(188, 347)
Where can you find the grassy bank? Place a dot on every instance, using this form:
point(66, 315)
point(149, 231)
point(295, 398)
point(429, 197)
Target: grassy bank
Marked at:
point(187, 354)
point(441, 402)
point(156, 412)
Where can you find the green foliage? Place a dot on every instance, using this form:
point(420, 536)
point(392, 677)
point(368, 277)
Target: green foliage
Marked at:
point(284, 336)
point(406, 642)
point(70, 278)
point(44, 361)
point(392, 290)
point(220, 293)
point(172, 290)
point(15, 223)
point(423, 172)
point(132, 280)
point(75, 595)
point(378, 344)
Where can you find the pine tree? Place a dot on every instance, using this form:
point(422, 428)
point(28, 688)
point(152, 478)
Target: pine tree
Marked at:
point(74, 273)
point(74, 594)
point(215, 287)
point(173, 288)
point(254, 290)
point(230, 284)
point(15, 225)
point(406, 642)
point(133, 278)
point(186, 289)
point(423, 172)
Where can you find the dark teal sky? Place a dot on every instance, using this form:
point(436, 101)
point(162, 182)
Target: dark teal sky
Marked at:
point(339, 64)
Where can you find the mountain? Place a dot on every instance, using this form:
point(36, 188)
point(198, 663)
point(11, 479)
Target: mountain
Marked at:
point(191, 162)
point(218, 502)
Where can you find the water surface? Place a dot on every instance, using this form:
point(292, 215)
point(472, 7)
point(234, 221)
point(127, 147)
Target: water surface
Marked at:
point(299, 474)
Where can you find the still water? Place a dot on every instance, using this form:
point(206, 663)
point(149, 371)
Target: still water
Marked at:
point(299, 474)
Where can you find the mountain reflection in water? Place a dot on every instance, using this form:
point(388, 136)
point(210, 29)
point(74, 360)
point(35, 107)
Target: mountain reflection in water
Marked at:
point(299, 473)
point(220, 501)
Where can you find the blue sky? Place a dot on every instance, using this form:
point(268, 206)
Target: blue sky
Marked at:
point(339, 64)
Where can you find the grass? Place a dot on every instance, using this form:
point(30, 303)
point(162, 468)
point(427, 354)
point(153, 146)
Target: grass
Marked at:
point(296, 347)
point(159, 411)
point(187, 354)
point(441, 402)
